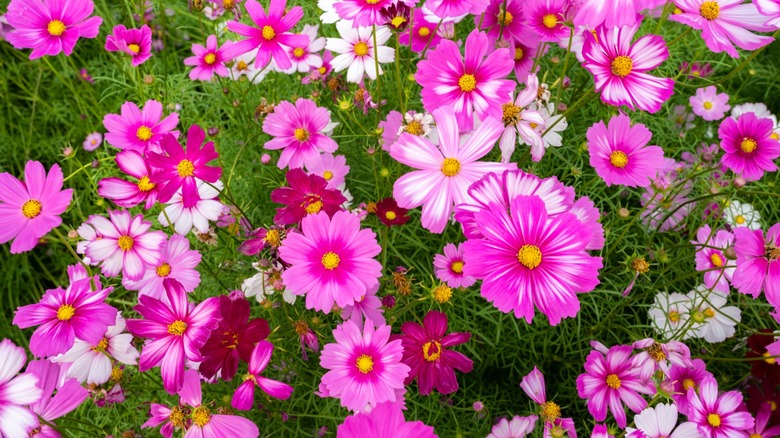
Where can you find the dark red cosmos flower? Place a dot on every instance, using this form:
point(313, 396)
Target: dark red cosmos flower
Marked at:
point(761, 394)
point(234, 338)
point(305, 195)
point(389, 213)
point(766, 368)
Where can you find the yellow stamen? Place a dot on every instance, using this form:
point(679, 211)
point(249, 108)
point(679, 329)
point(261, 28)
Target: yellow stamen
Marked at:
point(31, 208)
point(330, 260)
point(414, 128)
point(145, 185)
point(442, 293)
point(431, 351)
point(618, 159)
point(56, 28)
point(364, 363)
point(739, 219)
point(201, 416)
point(241, 65)
point(390, 215)
point(65, 312)
point(361, 49)
point(101, 346)
point(268, 33)
point(144, 133)
point(273, 238)
point(450, 167)
point(613, 381)
point(125, 243)
point(314, 207)
point(135, 48)
point(709, 10)
point(185, 168)
point(398, 21)
point(228, 4)
point(117, 373)
point(423, 31)
point(163, 270)
point(714, 420)
point(176, 417)
point(327, 175)
point(716, 260)
point(551, 411)
point(457, 267)
point(301, 134)
point(768, 358)
point(748, 145)
point(210, 59)
point(529, 256)
point(707, 105)
point(177, 328)
point(622, 65)
point(505, 17)
point(550, 21)
point(674, 316)
point(298, 52)
point(688, 384)
point(511, 114)
point(519, 54)
point(467, 83)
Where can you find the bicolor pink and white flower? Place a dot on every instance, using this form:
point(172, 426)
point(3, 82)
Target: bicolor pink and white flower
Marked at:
point(448, 267)
point(140, 130)
point(51, 406)
point(300, 131)
point(135, 42)
point(356, 51)
point(520, 121)
point(244, 397)
point(717, 416)
point(711, 258)
point(770, 9)
point(125, 193)
point(306, 58)
point(206, 209)
point(177, 261)
point(547, 18)
point(16, 392)
point(361, 13)
point(517, 427)
point(93, 141)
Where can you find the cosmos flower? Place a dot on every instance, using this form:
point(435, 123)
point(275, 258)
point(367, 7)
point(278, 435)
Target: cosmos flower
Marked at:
point(547, 19)
point(758, 263)
point(361, 13)
point(139, 130)
point(177, 261)
point(306, 58)
point(708, 104)
point(660, 421)
point(244, 397)
point(386, 420)
point(713, 321)
point(534, 387)
point(368, 307)
point(356, 51)
point(770, 9)
point(612, 13)
point(125, 193)
point(306, 195)
point(717, 416)
point(422, 33)
point(244, 67)
point(332, 168)
point(520, 120)
point(518, 427)
point(300, 131)
point(742, 214)
point(685, 378)
point(749, 147)
point(16, 392)
point(210, 60)
point(454, 8)
point(504, 21)
point(670, 314)
point(655, 356)
point(135, 42)
point(390, 214)
point(448, 267)
point(710, 257)
point(93, 141)
point(207, 208)
point(51, 406)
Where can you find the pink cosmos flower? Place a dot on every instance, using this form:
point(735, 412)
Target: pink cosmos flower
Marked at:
point(207, 208)
point(619, 67)
point(750, 149)
point(64, 314)
point(770, 9)
point(176, 330)
point(528, 257)
point(504, 20)
point(135, 42)
point(364, 13)
point(710, 257)
point(16, 392)
point(210, 60)
point(717, 416)
point(444, 172)
point(421, 32)
point(449, 267)
point(518, 427)
point(93, 141)
point(655, 356)
point(300, 131)
point(620, 154)
point(454, 8)
point(386, 420)
point(546, 18)
point(760, 430)
point(368, 307)
point(612, 13)
point(332, 260)
point(724, 23)
point(306, 58)
point(126, 244)
point(139, 130)
point(660, 422)
point(126, 193)
point(179, 168)
point(364, 365)
point(520, 120)
point(50, 27)
point(244, 397)
point(469, 85)
point(523, 55)
point(306, 195)
point(177, 261)
point(271, 34)
point(708, 104)
point(534, 387)
point(30, 209)
point(685, 378)
point(612, 381)
point(70, 394)
point(758, 263)
point(332, 168)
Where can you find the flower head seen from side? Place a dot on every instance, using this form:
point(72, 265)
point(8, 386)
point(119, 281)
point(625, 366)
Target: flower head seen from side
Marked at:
point(140, 130)
point(50, 27)
point(135, 42)
point(306, 195)
point(125, 193)
point(534, 387)
point(299, 130)
point(356, 51)
point(16, 392)
point(210, 60)
point(177, 261)
point(386, 420)
point(93, 141)
point(758, 263)
point(244, 397)
point(517, 427)
point(449, 266)
point(620, 68)
point(364, 366)
point(30, 209)
point(717, 415)
point(69, 395)
point(750, 149)
point(708, 104)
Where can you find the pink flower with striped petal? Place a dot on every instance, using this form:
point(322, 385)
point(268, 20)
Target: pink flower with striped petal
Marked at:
point(547, 18)
point(210, 60)
point(299, 130)
point(448, 267)
point(69, 396)
point(770, 9)
point(125, 193)
point(504, 20)
point(749, 146)
point(177, 261)
point(139, 130)
point(244, 397)
point(16, 391)
point(364, 13)
point(717, 416)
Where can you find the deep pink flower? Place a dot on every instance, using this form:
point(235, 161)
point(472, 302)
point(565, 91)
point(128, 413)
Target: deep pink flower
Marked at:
point(244, 397)
point(422, 33)
point(710, 257)
point(64, 314)
point(177, 331)
point(386, 420)
point(332, 260)
point(620, 154)
point(30, 209)
point(300, 131)
point(126, 193)
point(508, 24)
point(50, 27)
point(180, 168)
point(534, 387)
point(612, 381)
point(362, 13)
point(368, 307)
point(70, 394)
point(468, 85)
point(427, 351)
point(717, 416)
point(306, 195)
point(750, 149)
point(365, 367)
point(708, 104)
point(760, 430)
point(16, 392)
point(612, 13)
point(135, 42)
point(177, 262)
point(449, 267)
point(619, 67)
point(210, 60)
point(546, 18)
point(139, 130)
point(271, 34)
point(770, 9)
point(454, 8)
point(523, 54)
point(758, 263)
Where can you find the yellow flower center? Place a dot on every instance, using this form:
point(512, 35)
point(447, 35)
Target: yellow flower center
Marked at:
point(125, 243)
point(372, 2)
point(775, 136)
point(716, 260)
point(432, 351)
point(31, 208)
point(322, 70)
point(228, 4)
point(414, 128)
point(177, 417)
point(529, 256)
point(328, 175)
point(210, 58)
point(143, 133)
point(748, 145)
point(457, 267)
point(364, 363)
point(241, 66)
point(185, 168)
point(709, 10)
point(622, 65)
point(268, 33)
point(177, 328)
point(117, 373)
point(505, 17)
point(301, 134)
point(390, 215)
point(618, 159)
point(397, 21)
point(551, 411)
point(314, 207)
point(768, 358)
point(688, 384)
point(56, 28)
point(201, 416)
point(298, 52)
point(613, 381)
point(361, 49)
point(330, 260)
point(511, 114)
point(707, 105)
point(65, 312)
point(755, 435)
point(739, 219)
point(678, 11)
point(550, 21)
point(656, 352)
point(450, 167)
point(101, 346)
point(713, 419)
point(442, 293)
point(467, 83)
point(135, 48)
point(145, 185)
point(772, 405)
point(163, 270)
point(640, 265)
point(273, 238)
point(674, 316)
point(423, 31)
point(519, 54)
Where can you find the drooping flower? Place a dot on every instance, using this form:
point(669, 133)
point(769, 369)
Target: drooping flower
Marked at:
point(390, 214)
point(742, 214)
point(210, 60)
point(717, 416)
point(708, 104)
point(206, 208)
point(518, 427)
point(126, 193)
point(749, 147)
point(93, 141)
point(758, 263)
point(422, 33)
point(670, 314)
point(244, 397)
point(619, 67)
point(177, 261)
point(468, 85)
point(547, 19)
point(306, 195)
point(449, 267)
point(534, 387)
point(655, 356)
point(16, 392)
point(660, 421)
point(135, 42)
point(365, 367)
point(300, 131)
point(386, 420)
point(50, 27)
point(357, 51)
point(332, 260)
point(710, 257)
point(140, 130)
point(30, 209)
point(519, 120)
point(70, 394)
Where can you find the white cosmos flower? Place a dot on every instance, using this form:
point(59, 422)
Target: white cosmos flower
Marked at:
point(266, 282)
point(304, 59)
point(713, 320)
point(244, 65)
point(208, 208)
point(670, 314)
point(356, 50)
point(329, 14)
point(742, 214)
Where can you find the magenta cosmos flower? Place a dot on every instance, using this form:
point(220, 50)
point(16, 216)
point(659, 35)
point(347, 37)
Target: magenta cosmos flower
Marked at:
point(181, 168)
point(244, 397)
point(469, 85)
point(504, 20)
point(364, 13)
point(546, 18)
point(611, 382)
point(300, 131)
point(50, 27)
point(177, 262)
point(128, 194)
point(386, 420)
point(427, 351)
point(365, 367)
point(30, 209)
point(422, 33)
point(270, 36)
point(70, 394)
point(724, 23)
point(16, 392)
point(750, 149)
point(306, 195)
point(758, 263)
point(125, 245)
point(210, 60)
point(449, 267)
point(332, 260)
point(135, 42)
point(717, 416)
point(177, 331)
point(612, 13)
point(534, 387)
point(64, 314)
point(139, 130)
point(708, 104)
point(528, 257)
point(445, 171)
point(620, 154)
point(619, 67)
point(711, 258)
